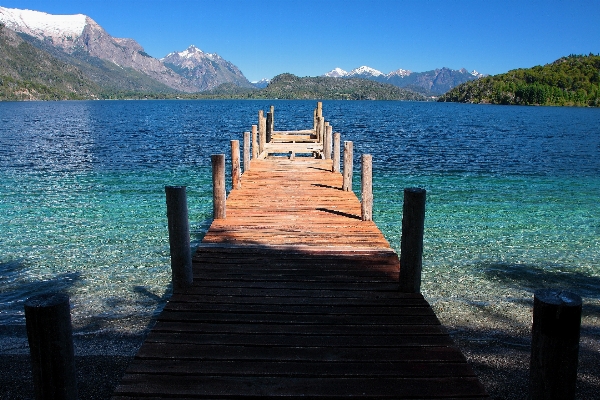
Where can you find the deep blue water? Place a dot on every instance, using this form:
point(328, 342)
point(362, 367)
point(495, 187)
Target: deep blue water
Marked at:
point(513, 193)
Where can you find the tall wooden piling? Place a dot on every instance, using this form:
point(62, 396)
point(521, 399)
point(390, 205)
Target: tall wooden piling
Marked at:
point(219, 192)
point(255, 151)
point(366, 202)
point(50, 336)
point(179, 237)
point(246, 151)
point(272, 111)
point(554, 345)
point(262, 134)
point(269, 127)
point(348, 164)
point(411, 246)
point(236, 173)
point(336, 152)
point(327, 142)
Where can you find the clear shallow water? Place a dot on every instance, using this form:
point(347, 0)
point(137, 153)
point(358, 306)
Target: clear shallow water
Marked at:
point(512, 194)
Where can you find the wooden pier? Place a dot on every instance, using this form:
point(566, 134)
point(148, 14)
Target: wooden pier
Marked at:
point(294, 295)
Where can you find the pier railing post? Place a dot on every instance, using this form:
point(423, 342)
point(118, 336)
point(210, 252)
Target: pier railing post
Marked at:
point(411, 246)
point(554, 345)
point(179, 237)
point(327, 141)
point(348, 164)
point(255, 151)
point(269, 127)
point(246, 151)
point(219, 192)
point(262, 134)
point(366, 202)
point(50, 336)
point(336, 152)
point(236, 174)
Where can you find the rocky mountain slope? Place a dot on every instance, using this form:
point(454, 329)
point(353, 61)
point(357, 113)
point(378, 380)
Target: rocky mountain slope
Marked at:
point(27, 73)
point(117, 64)
point(205, 71)
point(430, 83)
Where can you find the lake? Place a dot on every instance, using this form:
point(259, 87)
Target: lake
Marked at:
point(513, 198)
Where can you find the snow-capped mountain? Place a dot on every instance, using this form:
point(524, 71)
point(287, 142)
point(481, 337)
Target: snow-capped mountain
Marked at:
point(336, 73)
point(122, 63)
point(205, 71)
point(263, 83)
point(432, 82)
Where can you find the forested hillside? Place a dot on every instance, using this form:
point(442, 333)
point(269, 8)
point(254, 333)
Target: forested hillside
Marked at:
point(569, 81)
point(27, 73)
point(289, 86)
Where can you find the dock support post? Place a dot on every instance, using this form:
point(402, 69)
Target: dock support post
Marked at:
point(554, 345)
point(348, 164)
point(366, 202)
point(236, 175)
point(336, 152)
point(327, 141)
point(50, 336)
point(179, 237)
point(315, 121)
point(246, 151)
point(255, 151)
point(219, 193)
point(269, 127)
point(262, 134)
point(411, 246)
point(272, 118)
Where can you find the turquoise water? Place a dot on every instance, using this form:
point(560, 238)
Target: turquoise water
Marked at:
point(512, 196)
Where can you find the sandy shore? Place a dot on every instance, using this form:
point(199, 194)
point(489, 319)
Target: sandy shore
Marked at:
point(500, 359)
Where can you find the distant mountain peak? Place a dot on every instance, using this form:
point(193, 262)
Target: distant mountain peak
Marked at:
point(336, 73)
point(399, 72)
point(191, 53)
point(364, 70)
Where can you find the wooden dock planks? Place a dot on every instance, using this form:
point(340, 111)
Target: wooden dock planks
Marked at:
point(295, 296)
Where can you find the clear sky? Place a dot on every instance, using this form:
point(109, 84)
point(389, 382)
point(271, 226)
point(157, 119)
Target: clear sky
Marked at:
point(309, 38)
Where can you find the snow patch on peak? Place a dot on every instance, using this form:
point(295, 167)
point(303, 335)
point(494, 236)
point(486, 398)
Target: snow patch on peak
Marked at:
point(41, 24)
point(364, 70)
point(336, 73)
point(477, 74)
point(400, 72)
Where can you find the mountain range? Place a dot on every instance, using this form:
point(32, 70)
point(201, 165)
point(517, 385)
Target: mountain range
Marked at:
point(106, 66)
point(434, 82)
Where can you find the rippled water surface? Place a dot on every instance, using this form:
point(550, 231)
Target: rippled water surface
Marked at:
point(513, 193)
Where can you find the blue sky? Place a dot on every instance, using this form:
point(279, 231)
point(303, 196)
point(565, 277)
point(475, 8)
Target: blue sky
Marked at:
point(308, 38)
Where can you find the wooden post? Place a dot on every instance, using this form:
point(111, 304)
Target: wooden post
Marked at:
point(272, 118)
point(348, 161)
point(219, 193)
point(366, 202)
point(315, 121)
point(246, 151)
point(50, 335)
point(269, 127)
point(411, 246)
point(554, 345)
point(319, 109)
point(262, 133)
point(321, 130)
point(336, 152)
point(327, 141)
point(236, 174)
point(254, 142)
point(179, 237)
